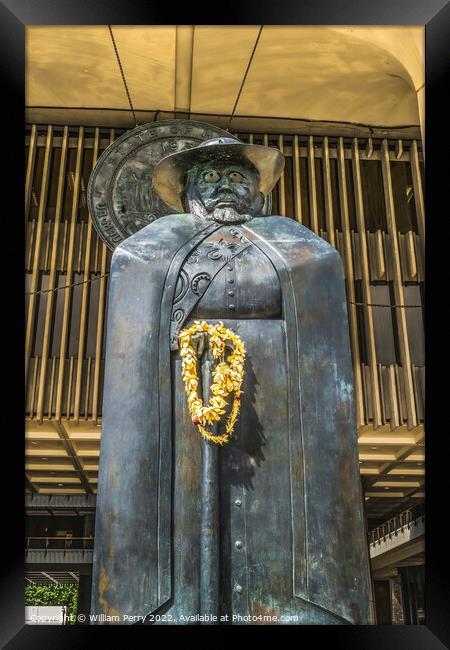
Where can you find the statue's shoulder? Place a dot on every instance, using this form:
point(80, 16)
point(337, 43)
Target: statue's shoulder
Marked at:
point(294, 240)
point(158, 239)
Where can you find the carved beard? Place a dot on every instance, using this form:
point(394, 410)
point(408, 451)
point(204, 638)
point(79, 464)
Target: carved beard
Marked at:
point(220, 215)
point(228, 215)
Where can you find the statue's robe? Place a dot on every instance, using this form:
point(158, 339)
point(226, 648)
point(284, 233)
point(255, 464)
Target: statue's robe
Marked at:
point(289, 480)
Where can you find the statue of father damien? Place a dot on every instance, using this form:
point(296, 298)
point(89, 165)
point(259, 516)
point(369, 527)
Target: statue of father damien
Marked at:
point(268, 528)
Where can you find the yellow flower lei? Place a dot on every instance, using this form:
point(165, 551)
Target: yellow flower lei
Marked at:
point(227, 377)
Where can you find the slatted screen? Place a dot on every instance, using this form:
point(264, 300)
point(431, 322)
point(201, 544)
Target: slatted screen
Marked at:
point(363, 197)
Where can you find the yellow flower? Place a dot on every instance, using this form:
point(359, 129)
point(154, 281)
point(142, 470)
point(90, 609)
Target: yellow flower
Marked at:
point(227, 378)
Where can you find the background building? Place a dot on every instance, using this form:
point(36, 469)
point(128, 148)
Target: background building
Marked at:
point(345, 105)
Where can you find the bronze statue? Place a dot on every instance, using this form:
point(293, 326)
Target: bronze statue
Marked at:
point(268, 528)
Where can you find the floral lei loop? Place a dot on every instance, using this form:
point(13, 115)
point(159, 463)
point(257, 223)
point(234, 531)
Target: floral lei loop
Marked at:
point(227, 378)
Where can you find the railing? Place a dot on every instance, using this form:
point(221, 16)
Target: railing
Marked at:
point(59, 542)
point(397, 524)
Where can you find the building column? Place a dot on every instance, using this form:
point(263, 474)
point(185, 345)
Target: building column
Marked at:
point(84, 598)
point(421, 104)
point(88, 529)
point(397, 613)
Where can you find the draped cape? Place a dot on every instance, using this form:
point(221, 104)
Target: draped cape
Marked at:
point(132, 573)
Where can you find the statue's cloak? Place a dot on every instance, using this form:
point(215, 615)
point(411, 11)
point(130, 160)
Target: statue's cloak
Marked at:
point(132, 573)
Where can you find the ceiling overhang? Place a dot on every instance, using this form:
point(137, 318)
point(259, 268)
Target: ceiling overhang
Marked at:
point(360, 75)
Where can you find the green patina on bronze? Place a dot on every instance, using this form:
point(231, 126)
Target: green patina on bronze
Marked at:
point(272, 524)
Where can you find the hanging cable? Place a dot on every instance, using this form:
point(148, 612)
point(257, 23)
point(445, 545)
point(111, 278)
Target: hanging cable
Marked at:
point(122, 73)
point(105, 275)
point(68, 286)
point(244, 78)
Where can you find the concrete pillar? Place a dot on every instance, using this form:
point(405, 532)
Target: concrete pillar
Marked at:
point(88, 525)
point(88, 529)
point(84, 598)
point(397, 613)
point(421, 103)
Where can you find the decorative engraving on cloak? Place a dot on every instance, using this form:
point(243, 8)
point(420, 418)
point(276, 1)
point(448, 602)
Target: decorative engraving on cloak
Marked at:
point(222, 250)
point(234, 232)
point(182, 286)
point(198, 271)
point(178, 315)
point(200, 282)
point(195, 256)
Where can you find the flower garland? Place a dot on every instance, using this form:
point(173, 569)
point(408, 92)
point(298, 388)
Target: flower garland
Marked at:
point(227, 377)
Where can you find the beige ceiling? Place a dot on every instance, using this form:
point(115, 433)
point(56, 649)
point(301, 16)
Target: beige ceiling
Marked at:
point(358, 74)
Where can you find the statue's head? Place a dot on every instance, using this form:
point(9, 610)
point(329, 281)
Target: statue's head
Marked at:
point(226, 191)
point(222, 179)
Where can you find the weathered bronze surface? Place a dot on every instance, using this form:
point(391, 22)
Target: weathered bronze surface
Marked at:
point(270, 528)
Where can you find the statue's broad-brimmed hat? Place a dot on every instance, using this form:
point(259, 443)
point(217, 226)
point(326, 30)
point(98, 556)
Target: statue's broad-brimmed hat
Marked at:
point(169, 173)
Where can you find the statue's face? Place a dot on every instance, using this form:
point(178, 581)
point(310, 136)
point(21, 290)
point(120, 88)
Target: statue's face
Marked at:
point(225, 190)
point(221, 185)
